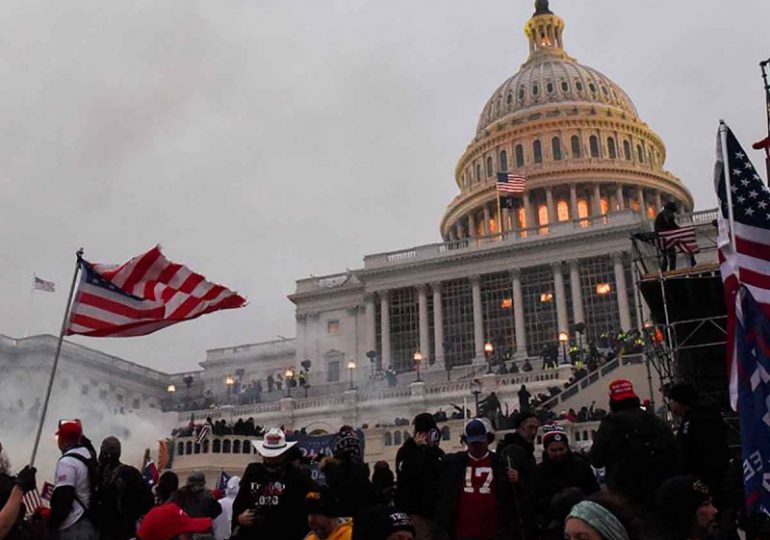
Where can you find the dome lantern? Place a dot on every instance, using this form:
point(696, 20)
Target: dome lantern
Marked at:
point(544, 31)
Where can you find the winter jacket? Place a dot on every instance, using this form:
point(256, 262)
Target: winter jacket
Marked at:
point(519, 454)
point(638, 451)
point(551, 477)
point(197, 501)
point(349, 480)
point(451, 484)
point(418, 468)
point(277, 496)
point(125, 498)
point(223, 524)
point(665, 221)
point(343, 532)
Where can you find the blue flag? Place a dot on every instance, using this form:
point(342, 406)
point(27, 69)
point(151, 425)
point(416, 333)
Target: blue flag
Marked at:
point(222, 484)
point(753, 347)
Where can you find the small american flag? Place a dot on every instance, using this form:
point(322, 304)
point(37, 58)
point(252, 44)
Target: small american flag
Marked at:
point(681, 239)
point(511, 183)
point(203, 433)
point(147, 293)
point(43, 285)
point(35, 499)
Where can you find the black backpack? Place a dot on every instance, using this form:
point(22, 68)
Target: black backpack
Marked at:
point(95, 510)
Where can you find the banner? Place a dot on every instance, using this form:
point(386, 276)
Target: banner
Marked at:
point(316, 447)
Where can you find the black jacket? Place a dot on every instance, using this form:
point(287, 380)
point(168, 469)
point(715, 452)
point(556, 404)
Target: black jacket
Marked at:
point(197, 502)
point(638, 451)
point(125, 498)
point(349, 480)
point(418, 468)
point(665, 220)
point(278, 498)
point(703, 451)
point(518, 453)
point(451, 484)
point(552, 477)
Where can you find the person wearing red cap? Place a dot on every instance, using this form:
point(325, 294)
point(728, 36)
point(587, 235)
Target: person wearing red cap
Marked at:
point(168, 521)
point(636, 448)
point(71, 496)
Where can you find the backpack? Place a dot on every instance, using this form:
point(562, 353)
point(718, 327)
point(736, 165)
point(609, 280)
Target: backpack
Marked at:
point(95, 510)
point(643, 445)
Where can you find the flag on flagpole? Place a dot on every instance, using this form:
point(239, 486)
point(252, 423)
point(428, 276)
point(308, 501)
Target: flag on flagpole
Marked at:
point(32, 501)
point(510, 183)
point(682, 239)
point(222, 483)
point(147, 293)
point(163, 457)
point(43, 285)
point(150, 473)
point(744, 262)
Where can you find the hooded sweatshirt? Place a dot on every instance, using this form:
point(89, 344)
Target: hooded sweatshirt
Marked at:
point(222, 525)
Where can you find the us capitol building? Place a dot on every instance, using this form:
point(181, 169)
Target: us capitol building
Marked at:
point(511, 280)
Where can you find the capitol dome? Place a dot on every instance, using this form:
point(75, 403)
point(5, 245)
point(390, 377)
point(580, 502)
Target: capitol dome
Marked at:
point(573, 133)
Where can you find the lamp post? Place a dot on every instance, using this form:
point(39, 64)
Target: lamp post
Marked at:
point(229, 382)
point(476, 386)
point(171, 389)
point(188, 380)
point(351, 367)
point(563, 339)
point(488, 350)
point(287, 378)
point(417, 362)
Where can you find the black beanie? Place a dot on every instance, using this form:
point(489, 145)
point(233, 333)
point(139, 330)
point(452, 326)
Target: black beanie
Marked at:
point(678, 498)
point(379, 522)
point(323, 502)
point(424, 422)
point(523, 417)
point(685, 393)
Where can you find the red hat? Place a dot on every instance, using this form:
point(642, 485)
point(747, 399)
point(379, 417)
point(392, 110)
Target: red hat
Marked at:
point(622, 389)
point(167, 521)
point(70, 430)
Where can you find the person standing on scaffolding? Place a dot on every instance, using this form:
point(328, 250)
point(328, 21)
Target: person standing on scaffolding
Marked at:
point(666, 221)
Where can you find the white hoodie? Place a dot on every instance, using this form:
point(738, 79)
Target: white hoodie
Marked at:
point(223, 522)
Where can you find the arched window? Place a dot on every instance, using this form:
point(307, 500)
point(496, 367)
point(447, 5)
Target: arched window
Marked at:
point(205, 446)
point(180, 448)
point(188, 448)
point(519, 155)
point(478, 172)
point(537, 152)
point(562, 211)
point(388, 439)
point(226, 445)
point(396, 438)
point(503, 161)
point(197, 448)
point(627, 150)
point(576, 150)
point(582, 205)
point(216, 446)
point(445, 434)
point(521, 216)
point(236, 446)
point(604, 205)
point(611, 148)
point(556, 148)
point(490, 166)
point(650, 212)
point(509, 98)
point(593, 143)
point(542, 215)
point(640, 153)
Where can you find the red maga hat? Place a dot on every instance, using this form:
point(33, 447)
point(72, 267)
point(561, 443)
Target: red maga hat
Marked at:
point(168, 521)
point(622, 389)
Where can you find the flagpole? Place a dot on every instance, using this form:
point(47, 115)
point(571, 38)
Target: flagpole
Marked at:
point(499, 220)
point(726, 172)
point(763, 66)
point(30, 306)
point(79, 255)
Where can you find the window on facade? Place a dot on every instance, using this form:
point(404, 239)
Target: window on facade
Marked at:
point(542, 215)
point(601, 309)
point(333, 371)
point(521, 94)
point(540, 323)
point(579, 86)
point(236, 446)
point(521, 216)
point(205, 446)
point(535, 90)
point(593, 143)
point(137, 403)
point(549, 88)
point(537, 152)
point(583, 211)
point(556, 148)
point(457, 304)
point(388, 439)
point(180, 449)
point(519, 155)
point(503, 161)
point(396, 438)
point(188, 448)
point(640, 153)
point(651, 212)
point(627, 150)
point(611, 148)
point(227, 446)
point(489, 166)
point(562, 211)
point(404, 328)
point(333, 327)
point(509, 99)
point(592, 87)
point(216, 446)
point(564, 86)
point(496, 293)
point(478, 172)
point(576, 150)
point(604, 204)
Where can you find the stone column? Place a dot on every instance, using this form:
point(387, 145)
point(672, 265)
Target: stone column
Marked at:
point(422, 302)
point(385, 327)
point(471, 225)
point(551, 208)
point(597, 201)
point(460, 229)
point(486, 220)
point(504, 227)
point(438, 325)
point(478, 318)
point(658, 201)
point(573, 205)
point(622, 293)
point(561, 298)
point(640, 196)
point(371, 321)
point(619, 196)
point(518, 315)
point(577, 292)
point(530, 217)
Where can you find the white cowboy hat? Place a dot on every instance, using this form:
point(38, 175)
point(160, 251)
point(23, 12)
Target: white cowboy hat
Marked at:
point(274, 444)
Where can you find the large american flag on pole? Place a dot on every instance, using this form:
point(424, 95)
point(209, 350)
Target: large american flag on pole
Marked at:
point(147, 293)
point(744, 254)
point(511, 183)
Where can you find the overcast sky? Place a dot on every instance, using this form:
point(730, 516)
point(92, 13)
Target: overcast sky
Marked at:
point(260, 141)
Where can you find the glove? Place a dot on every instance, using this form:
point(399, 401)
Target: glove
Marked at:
point(26, 479)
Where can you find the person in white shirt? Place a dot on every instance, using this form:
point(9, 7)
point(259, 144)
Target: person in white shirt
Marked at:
point(72, 488)
point(223, 522)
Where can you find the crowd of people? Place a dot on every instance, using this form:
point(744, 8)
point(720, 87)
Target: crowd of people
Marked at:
point(656, 483)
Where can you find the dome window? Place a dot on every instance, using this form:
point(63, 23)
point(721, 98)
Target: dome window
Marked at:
point(611, 148)
point(490, 166)
point(503, 161)
point(478, 172)
point(549, 88)
point(576, 150)
point(564, 86)
point(627, 150)
point(537, 151)
point(640, 153)
point(509, 99)
point(519, 155)
point(606, 92)
point(593, 143)
point(521, 94)
point(556, 148)
point(592, 87)
point(579, 86)
point(535, 90)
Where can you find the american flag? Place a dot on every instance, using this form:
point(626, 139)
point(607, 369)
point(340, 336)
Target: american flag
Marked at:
point(681, 239)
point(43, 285)
point(147, 293)
point(203, 433)
point(511, 183)
point(747, 264)
point(35, 499)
